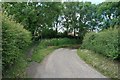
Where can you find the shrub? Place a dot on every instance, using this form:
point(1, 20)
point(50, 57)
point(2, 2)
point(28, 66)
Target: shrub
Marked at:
point(58, 42)
point(15, 41)
point(105, 42)
point(48, 33)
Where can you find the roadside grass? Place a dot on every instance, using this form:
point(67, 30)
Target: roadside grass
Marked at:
point(41, 53)
point(47, 46)
point(106, 66)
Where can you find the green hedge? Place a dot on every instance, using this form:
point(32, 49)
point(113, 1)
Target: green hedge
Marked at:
point(15, 40)
point(105, 42)
point(58, 42)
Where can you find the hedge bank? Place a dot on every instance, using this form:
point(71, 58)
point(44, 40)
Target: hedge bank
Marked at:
point(104, 42)
point(15, 40)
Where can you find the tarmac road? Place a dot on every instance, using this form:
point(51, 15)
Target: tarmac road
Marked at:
point(62, 63)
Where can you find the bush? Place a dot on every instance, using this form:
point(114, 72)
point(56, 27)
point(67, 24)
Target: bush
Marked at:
point(105, 42)
point(48, 33)
point(15, 41)
point(58, 42)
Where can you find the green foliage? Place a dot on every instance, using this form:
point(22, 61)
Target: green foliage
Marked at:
point(48, 33)
point(58, 42)
point(107, 13)
point(40, 54)
point(105, 42)
point(75, 17)
point(18, 70)
point(15, 41)
point(33, 16)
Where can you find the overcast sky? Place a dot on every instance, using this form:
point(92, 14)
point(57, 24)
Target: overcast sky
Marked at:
point(95, 1)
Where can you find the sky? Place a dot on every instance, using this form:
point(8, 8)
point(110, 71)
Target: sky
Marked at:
point(95, 1)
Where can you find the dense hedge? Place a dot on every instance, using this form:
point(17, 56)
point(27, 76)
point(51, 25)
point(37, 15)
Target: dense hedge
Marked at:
point(15, 40)
point(105, 42)
point(58, 42)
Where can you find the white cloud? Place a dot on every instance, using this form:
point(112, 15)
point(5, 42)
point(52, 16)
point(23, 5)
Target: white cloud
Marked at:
point(95, 1)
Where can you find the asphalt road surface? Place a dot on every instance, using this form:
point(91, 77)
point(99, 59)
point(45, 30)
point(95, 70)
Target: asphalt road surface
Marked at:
point(62, 63)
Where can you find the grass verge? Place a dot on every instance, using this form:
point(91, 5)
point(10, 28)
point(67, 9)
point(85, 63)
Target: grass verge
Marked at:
point(40, 54)
point(103, 64)
point(48, 45)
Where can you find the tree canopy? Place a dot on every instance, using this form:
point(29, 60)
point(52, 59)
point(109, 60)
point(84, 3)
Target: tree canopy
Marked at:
point(77, 17)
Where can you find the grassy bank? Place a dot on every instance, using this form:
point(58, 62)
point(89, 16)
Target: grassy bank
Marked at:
point(40, 54)
point(49, 45)
point(106, 66)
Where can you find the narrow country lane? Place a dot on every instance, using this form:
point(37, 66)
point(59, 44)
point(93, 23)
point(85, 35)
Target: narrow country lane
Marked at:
point(62, 63)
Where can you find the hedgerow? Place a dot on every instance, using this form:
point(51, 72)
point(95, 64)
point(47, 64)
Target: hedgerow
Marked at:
point(15, 40)
point(104, 42)
point(58, 42)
